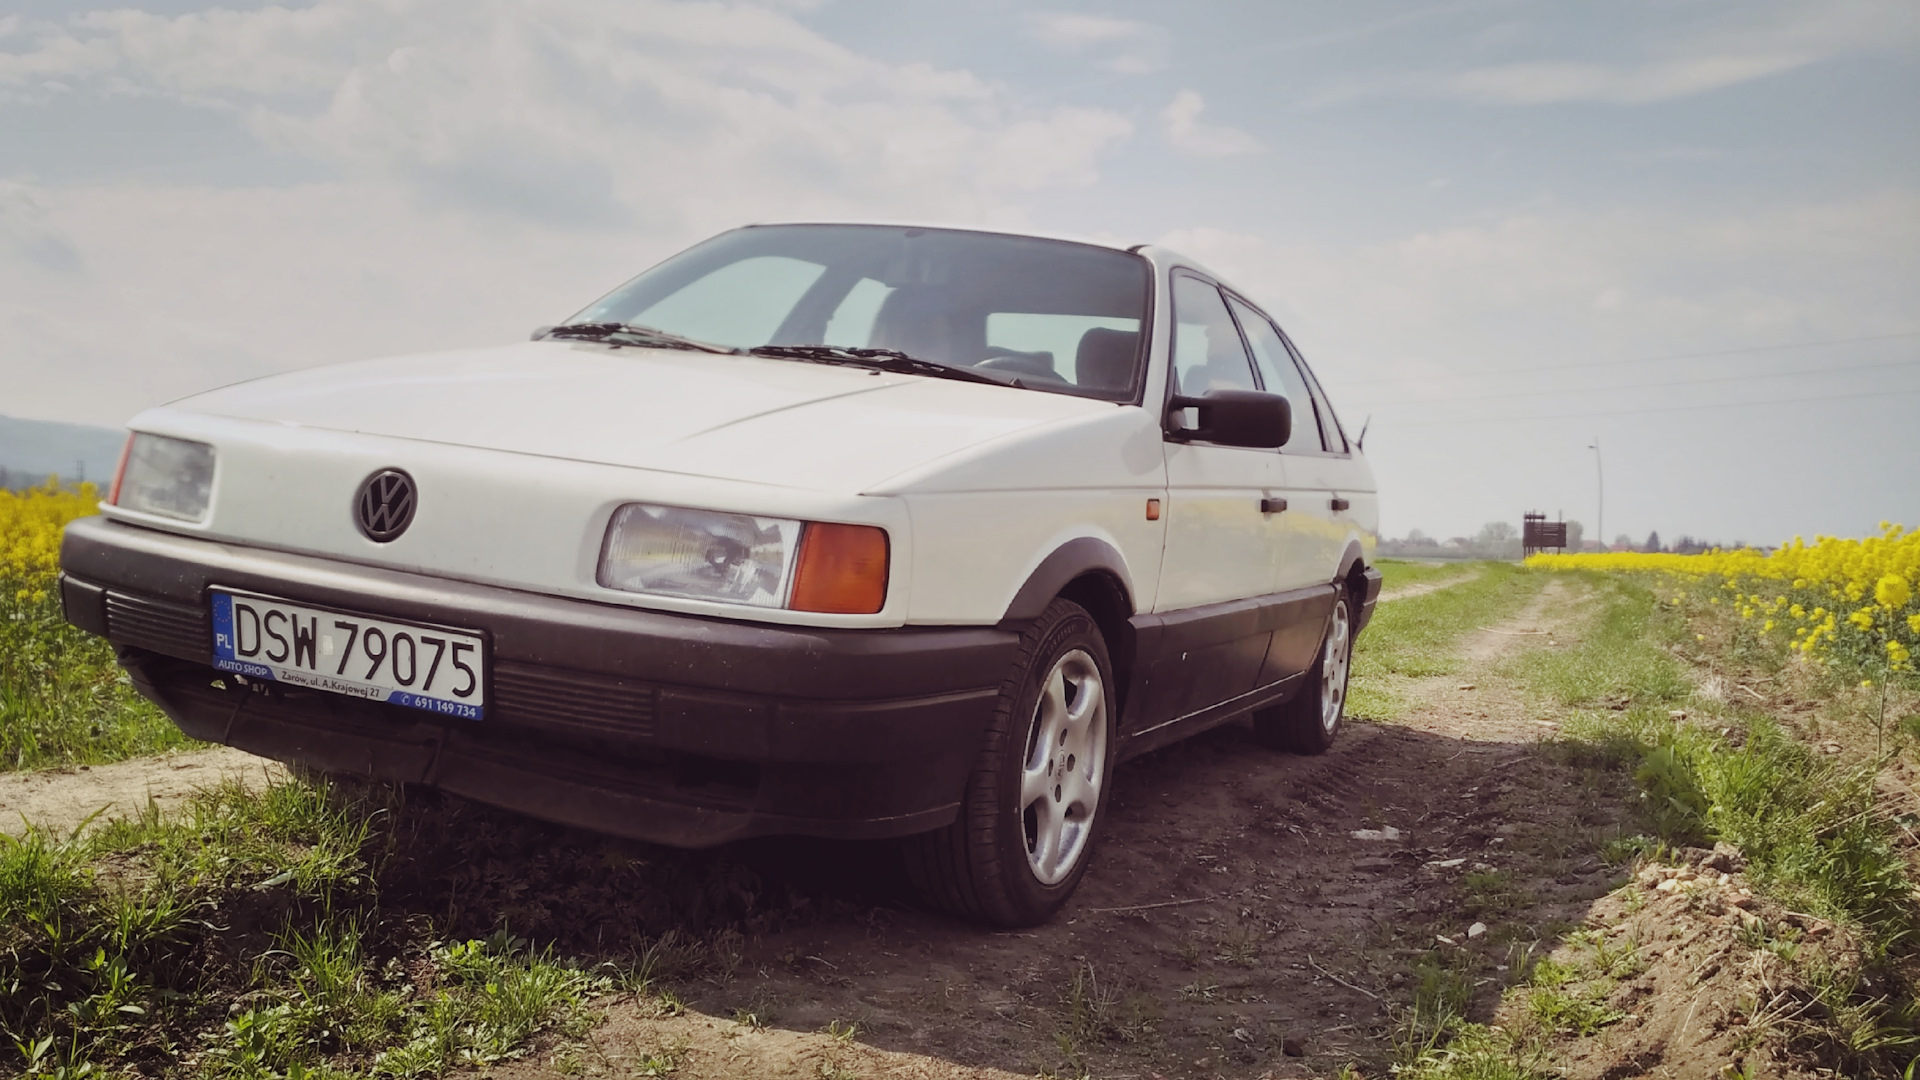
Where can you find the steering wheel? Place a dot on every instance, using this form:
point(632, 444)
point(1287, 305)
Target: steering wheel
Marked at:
point(1024, 363)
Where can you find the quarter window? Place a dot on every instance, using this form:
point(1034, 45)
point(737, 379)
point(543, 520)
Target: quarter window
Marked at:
point(1336, 439)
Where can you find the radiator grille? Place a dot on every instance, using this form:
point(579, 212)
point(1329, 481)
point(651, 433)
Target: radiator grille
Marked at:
point(174, 629)
point(557, 698)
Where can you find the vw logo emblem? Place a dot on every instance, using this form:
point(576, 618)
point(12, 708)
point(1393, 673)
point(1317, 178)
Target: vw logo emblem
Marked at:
point(383, 508)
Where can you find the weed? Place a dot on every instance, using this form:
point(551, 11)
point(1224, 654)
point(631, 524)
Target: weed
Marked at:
point(1239, 946)
point(844, 1034)
point(1491, 892)
point(1099, 1011)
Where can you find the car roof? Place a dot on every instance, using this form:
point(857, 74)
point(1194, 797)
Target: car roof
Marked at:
point(1107, 242)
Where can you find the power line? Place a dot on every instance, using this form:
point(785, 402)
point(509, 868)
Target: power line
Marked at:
point(1665, 409)
point(1652, 385)
point(1617, 362)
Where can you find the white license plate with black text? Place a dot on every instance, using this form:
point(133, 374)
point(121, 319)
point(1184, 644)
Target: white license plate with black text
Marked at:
point(422, 667)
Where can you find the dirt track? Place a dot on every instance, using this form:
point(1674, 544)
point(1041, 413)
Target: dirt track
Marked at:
point(1249, 913)
point(61, 799)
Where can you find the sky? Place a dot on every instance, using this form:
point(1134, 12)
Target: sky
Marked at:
point(1500, 231)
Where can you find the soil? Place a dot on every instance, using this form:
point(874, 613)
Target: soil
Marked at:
point(1249, 914)
point(61, 800)
point(1421, 588)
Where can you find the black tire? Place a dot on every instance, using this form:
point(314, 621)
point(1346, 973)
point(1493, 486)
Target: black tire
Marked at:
point(1309, 721)
point(990, 864)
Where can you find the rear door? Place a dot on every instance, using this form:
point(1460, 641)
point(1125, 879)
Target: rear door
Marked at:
point(1303, 530)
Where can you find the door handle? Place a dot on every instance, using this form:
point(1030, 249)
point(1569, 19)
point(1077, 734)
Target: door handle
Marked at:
point(1339, 504)
point(1271, 505)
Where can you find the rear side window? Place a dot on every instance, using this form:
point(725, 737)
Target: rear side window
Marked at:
point(1281, 376)
point(1207, 351)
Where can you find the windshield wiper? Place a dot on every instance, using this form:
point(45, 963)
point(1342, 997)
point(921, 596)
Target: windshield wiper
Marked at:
point(634, 334)
point(881, 359)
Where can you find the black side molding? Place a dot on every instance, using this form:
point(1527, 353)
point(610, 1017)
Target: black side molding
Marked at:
point(1068, 561)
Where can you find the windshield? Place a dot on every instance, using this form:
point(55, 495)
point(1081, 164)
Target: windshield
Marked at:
point(1053, 315)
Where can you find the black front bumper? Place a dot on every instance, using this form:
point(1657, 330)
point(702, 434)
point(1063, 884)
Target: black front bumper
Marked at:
point(671, 728)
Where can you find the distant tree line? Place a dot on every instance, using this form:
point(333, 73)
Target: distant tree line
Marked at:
point(1501, 540)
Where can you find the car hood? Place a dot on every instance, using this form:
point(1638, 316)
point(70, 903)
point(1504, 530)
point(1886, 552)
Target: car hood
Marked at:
point(797, 424)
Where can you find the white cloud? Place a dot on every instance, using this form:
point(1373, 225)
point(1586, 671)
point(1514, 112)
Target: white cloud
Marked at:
point(495, 164)
point(1125, 46)
point(1550, 83)
point(1711, 49)
point(593, 110)
point(1180, 122)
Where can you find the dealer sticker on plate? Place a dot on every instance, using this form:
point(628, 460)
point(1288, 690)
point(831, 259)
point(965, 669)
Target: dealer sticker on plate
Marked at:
point(421, 667)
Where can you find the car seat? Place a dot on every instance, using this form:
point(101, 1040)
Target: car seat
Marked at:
point(1104, 360)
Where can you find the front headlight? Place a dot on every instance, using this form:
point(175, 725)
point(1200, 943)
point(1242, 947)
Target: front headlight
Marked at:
point(746, 559)
point(169, 477)
point(699, 554)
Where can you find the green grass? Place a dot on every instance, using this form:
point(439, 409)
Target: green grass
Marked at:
point(1812, 832)
point(262, 935)
point(1420, 636)
point(63, 701)
point(1808, 826)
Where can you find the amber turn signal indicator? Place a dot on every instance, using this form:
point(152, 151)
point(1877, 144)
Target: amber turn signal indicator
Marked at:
point(1153, 509)
point(841, 570)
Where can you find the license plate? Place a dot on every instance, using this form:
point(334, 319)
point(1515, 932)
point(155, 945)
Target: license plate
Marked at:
point(412, 664)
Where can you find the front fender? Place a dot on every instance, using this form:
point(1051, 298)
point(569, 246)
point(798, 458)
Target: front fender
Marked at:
point(1068, 561)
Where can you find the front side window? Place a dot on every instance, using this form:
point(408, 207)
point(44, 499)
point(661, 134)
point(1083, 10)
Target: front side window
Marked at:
point(1207, 351)
point(1044, 314)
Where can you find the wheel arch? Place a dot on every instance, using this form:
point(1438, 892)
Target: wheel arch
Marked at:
point(1092, 573)
point(1361, 581)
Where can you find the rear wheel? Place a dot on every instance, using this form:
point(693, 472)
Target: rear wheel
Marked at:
point(1308, 722)
point(1032, 805)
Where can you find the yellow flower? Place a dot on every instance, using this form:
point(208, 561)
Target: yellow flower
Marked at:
point(1892, 592)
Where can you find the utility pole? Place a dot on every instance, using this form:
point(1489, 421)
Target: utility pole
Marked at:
point(1600, 482)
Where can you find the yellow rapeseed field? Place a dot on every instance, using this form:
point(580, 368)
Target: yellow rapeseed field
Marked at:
point(1831, 599)
point(30, 524)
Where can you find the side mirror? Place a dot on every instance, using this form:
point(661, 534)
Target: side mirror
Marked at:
point(1250, 418)
point(538, 333)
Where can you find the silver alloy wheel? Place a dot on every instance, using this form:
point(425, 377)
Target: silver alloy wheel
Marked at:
point(1065, 766)
point(1333, 668)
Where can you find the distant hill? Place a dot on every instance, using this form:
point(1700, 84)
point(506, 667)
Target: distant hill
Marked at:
point(31, 450)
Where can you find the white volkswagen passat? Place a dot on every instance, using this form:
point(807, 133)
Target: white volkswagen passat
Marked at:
point(847, 531)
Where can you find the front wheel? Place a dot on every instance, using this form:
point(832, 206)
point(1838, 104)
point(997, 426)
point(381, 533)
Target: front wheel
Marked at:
point(1307, 722)
point(1027, 822)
